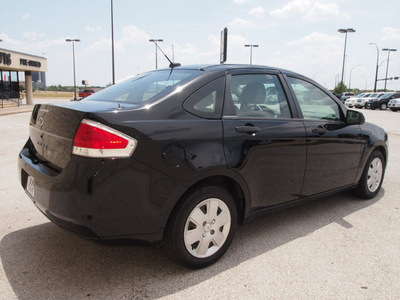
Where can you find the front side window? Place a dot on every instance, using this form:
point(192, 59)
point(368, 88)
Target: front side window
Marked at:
point(314, 103)
point(259, 96)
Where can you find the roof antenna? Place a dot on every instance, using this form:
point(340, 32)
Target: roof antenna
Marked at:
point(171, 64)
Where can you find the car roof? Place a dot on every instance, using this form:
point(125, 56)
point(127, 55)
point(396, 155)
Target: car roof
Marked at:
point(227, 67)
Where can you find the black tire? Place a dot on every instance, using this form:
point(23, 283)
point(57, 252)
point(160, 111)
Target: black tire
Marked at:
point(383, 106)
point(185, 240)
point(372, 177)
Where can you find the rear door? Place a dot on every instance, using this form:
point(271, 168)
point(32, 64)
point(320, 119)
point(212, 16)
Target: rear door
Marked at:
point(263, 141)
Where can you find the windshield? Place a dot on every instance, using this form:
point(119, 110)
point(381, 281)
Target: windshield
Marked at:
point(360, 95)
point(145, 88)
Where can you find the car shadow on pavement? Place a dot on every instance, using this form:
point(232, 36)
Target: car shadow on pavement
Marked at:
point(46, 262)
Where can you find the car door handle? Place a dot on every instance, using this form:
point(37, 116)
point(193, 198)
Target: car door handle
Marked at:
point(319, 130)
point(248, 129)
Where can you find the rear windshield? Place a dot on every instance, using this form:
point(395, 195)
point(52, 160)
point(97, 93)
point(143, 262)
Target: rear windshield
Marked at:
point(145, 88)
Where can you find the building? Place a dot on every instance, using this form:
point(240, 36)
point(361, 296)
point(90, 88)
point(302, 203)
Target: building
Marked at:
point(39, 80)
point(11, 63)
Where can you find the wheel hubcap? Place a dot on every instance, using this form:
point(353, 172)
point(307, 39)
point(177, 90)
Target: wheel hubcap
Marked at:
point(207, 228)
point(375, 173)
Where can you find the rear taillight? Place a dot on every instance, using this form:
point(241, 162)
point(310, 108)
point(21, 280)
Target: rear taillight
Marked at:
point(94, 139)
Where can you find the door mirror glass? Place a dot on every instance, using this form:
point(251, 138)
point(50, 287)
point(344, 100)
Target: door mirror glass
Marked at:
point(354, 118)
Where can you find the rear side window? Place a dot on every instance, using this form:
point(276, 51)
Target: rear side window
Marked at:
point(207, 101)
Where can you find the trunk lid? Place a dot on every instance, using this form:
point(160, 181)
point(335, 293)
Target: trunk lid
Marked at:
point(53, 126)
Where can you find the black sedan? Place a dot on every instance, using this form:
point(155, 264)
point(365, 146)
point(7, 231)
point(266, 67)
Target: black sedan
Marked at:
point(381, 102)
point(181, 156)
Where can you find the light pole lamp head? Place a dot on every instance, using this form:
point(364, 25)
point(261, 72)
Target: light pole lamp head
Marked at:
point(346, 30)
point(387, 49)
point(72, 40)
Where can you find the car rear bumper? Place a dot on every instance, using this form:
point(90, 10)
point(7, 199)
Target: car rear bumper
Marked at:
point(83, 198)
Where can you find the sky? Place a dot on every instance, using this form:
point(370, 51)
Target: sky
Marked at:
point(298, 35)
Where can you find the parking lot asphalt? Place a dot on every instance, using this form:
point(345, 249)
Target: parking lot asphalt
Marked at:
point(334, 248)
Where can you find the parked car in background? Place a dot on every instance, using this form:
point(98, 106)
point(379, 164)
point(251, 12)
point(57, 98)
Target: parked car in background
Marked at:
point(350, 102)
point(86, 93)
point(382, 102)
point(344, 96)
point(394, 104)
point(360, 103)
point(181, 156)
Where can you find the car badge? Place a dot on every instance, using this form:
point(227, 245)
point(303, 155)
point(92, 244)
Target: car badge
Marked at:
point(41, 121)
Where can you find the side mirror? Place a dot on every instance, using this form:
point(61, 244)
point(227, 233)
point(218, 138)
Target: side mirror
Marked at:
point(354, 118)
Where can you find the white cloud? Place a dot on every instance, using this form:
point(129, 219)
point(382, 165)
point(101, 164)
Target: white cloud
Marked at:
point(320, 12)
point(239, 22)
point(292, 8)
point(33, 35)
point(237, 40)
point(390, 33)
point(91, 29)
point(240, 1)
point(308, 52)
point(25, 17)
point(132, 35)
point(257, 12)
point(310, 9)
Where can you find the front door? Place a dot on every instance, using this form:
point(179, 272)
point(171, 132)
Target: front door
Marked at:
point(333, 147)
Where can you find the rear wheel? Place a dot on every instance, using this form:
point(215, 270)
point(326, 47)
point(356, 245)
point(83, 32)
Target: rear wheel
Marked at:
point(201, 228)
point(372, 177)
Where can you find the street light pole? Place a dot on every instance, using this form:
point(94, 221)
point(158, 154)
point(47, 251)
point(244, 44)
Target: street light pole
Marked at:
point(345, 31)
point(112, 43)
point(387, 65)
point(155, 41)
point(73, 59)
point(251, 52)
point(350, 74)
point(377, 65)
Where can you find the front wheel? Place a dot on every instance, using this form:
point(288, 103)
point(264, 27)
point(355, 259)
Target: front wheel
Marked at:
point(372, 177)
point(201, 228)
point(383, 106)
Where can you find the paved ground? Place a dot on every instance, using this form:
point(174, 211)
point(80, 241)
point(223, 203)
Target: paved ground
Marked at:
point(334, 248)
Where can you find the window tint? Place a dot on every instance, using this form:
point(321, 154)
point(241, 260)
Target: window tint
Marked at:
point(145, 88)
point(207, 101)
point(259, 96)
point(314, 103)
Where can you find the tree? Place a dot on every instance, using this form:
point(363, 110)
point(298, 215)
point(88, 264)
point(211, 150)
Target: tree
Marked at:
point(340, 88)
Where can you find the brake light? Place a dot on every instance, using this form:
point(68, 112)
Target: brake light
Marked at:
point(94, 139)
